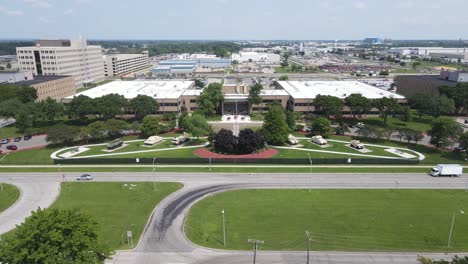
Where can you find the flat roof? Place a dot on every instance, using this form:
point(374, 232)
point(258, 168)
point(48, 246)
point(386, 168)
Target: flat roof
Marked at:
point(278, 92)
point(41, 79)
point(340, 89)
point(131, 89)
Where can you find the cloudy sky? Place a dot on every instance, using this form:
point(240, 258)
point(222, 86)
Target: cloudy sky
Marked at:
point(234, 19)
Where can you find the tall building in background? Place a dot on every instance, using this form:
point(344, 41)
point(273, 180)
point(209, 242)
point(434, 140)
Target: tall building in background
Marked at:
point(120, 64)
point(63, 57)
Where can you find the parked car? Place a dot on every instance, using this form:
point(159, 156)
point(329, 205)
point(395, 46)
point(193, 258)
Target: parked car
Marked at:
point(5, 141)
point(360, 125)
point(27, 137)
point(18, 139)
point(12, 147)
point(85, 177)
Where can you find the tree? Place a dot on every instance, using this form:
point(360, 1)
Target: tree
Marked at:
point(10, 107)
point(115, 127)
point(97, 130)
point(358, 104)
point(26, 94)
point(388, 132)
point(459, 94)
point(197, 125)
point(416, 65)
point(328, 105)
point(387, 106)
point(254, 94)
point(110, 105)
point(341, 129)
point(199, 83)
point(8, 65)
point(283, 78)
point(291, 120)
point(54, 236)
point(23, 119)
point(150, 126)
point(455, 260)
point(321, 126)
point(50, 109)
point(463, 141)
point(62, 134)
point(143, 105)
point(275, 129)
point(406, 114)
point(383, 73)
point(249, 141)
point(81, 106)
point(210, 100)
point(225, 141)
point(433, 106)
point(443, 130)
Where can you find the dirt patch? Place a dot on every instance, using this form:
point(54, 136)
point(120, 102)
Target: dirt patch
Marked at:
point(265, 154)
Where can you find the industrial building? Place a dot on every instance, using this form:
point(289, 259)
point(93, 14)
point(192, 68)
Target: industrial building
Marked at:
point(410, 85)
point(257, 57)
point(187, 66)
point(424, 51)
point(121, 64)
point(372, 41)
point(63, 57)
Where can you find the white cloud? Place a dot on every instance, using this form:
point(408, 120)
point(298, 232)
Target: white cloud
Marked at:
point(359, 5)
point(68, 11)
point(8, 12)
point(39, 3)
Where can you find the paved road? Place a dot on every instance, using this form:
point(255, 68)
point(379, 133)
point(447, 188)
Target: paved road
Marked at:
point(164, 242)
point(33, 195)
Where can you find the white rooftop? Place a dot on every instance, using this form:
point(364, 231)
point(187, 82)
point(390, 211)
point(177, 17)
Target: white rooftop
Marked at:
point(276, 92)
point(130, 89)
point(340, 89)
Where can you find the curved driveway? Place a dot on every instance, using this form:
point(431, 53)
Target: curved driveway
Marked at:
point(164, 242)
point(33, 195)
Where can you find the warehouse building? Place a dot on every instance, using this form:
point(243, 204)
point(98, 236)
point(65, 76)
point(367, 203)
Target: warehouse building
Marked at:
point(257, 57)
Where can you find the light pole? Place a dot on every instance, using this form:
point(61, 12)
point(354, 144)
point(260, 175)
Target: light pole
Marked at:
point(310, 160)
point(154, 175)
point(224, 229)
point(451, 227)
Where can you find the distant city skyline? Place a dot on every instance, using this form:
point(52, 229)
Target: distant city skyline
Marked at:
point(234, 19)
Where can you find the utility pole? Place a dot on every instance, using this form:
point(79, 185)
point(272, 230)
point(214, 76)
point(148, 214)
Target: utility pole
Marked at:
point(308, 245)
point(256, 242)
point(310, 161)
point(451, 228)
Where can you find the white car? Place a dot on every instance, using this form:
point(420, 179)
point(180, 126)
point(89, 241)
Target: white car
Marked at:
point(85, 177)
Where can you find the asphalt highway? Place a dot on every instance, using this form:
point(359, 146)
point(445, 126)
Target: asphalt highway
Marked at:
point(163, 240)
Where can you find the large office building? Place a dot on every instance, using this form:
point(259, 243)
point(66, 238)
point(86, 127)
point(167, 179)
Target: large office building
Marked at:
point(298, 96)
point(63, 57)
point(411, 85)
point(121, 64)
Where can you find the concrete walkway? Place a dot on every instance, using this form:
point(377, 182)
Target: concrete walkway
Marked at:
point(33, 195)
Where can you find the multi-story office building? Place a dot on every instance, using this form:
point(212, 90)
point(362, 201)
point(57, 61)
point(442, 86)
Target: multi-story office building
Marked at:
point(63, 57)
point(54, 86)
point(120, 64)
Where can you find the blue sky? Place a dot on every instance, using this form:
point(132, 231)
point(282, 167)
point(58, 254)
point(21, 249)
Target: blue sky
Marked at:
point(234, 19)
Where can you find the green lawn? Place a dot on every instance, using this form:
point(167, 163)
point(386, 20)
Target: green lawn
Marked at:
point(115, 207)
point(26, 157)
point(356, 220)
point(131, 146)
point(8, 196)
point(423, 124)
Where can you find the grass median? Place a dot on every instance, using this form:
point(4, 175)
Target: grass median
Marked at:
point(351, 220)
point(8, 196)
point(116, 207)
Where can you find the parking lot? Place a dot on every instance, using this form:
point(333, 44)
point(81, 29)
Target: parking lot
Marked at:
point(34, 142)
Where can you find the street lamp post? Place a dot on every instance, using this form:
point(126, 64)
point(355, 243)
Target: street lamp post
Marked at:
point(154, 175)
point(310, 161)
point(224, 229)
point(451, 227)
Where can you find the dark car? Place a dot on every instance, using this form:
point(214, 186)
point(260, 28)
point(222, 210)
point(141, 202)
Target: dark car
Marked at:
point(85, 177)
point(27, 137)
point(18, 139)
point(5, 141)
point(12, 147)
point(466, 121)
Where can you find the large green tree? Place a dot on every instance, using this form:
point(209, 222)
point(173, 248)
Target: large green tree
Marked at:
point(97, 130)
point(110, 105)
point(143, 105)
point(444, 131)
point(115, 127)
point(210, 100)
point(81, 106)
point(254, 94)
point(328, 105)
point(62, 134)
point(10, 108)
point(321, 126)
point(358, 104)
point(54, 237)
point(432, 105)
point(50, 109)
point(150, 126)
point(197, 125)
point(387, 106)
point(459, 94)
point(275, 130)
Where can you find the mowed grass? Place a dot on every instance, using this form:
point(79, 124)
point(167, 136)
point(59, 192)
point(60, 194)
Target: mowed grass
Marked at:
point(355, 220)
point(115, 207)
point(8, 196)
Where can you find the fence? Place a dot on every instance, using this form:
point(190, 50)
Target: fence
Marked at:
point(239, 161)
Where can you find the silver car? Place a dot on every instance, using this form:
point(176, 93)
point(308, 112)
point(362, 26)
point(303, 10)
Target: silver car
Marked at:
point(85, 177)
